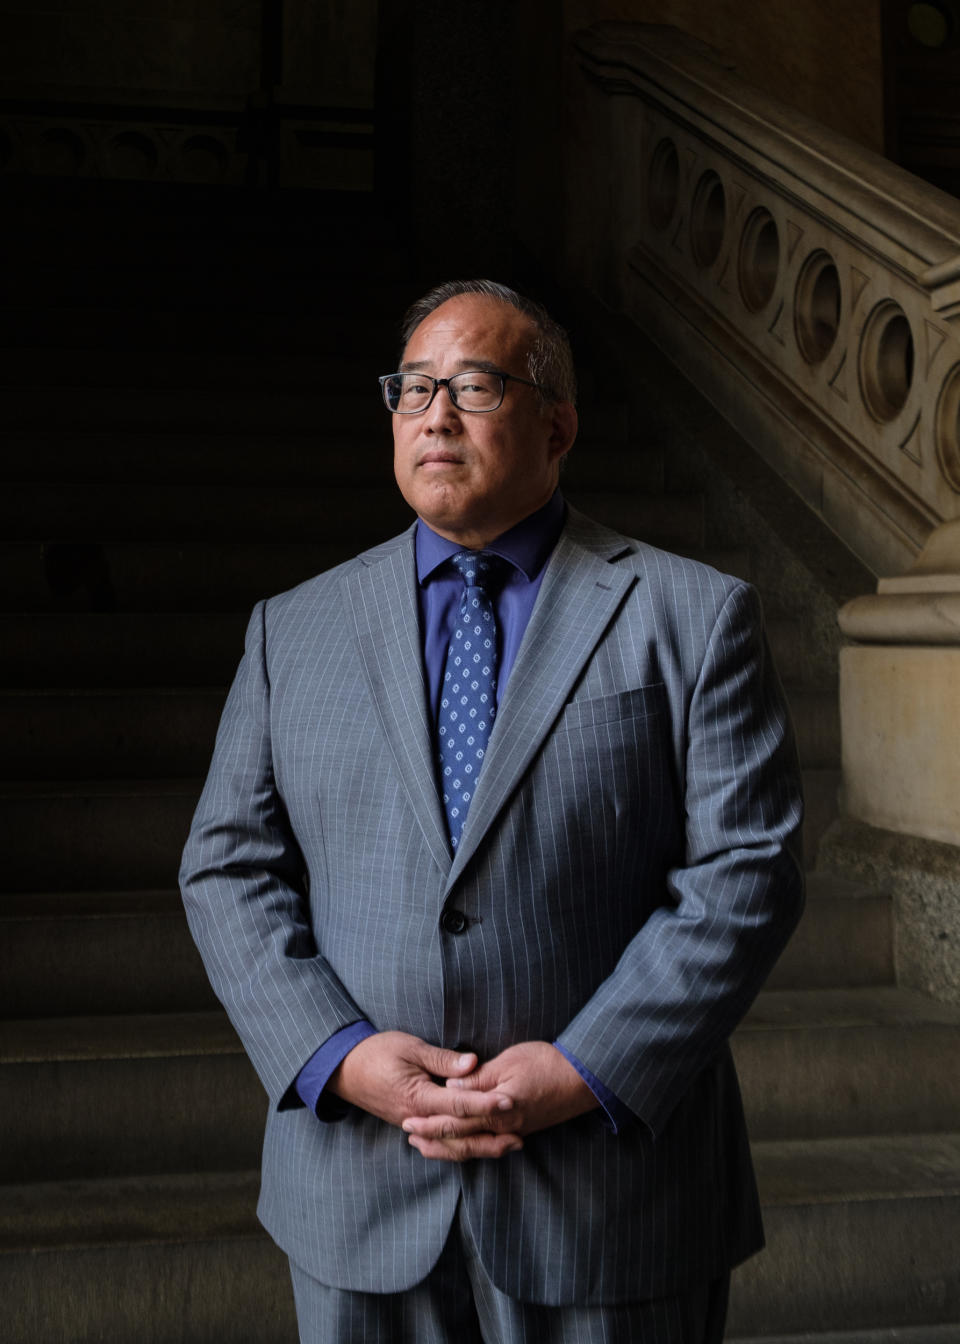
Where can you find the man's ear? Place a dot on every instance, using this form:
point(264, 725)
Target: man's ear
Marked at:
point(563, 428)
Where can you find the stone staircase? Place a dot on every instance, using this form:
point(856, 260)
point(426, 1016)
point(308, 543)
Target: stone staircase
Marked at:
point(171, 457)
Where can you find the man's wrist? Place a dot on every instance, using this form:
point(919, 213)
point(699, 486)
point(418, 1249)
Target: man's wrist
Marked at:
point(311, 1083)
point(616, 1114)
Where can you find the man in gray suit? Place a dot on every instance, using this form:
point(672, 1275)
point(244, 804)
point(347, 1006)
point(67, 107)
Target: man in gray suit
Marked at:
point(498, 844)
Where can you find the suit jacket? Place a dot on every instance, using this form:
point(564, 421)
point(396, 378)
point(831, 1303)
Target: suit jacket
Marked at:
point(628, 871)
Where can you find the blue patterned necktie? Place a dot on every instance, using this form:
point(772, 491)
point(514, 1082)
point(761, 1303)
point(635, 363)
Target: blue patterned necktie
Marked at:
point(468, 696)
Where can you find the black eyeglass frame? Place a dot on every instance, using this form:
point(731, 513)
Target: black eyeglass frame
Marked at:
point(505, 378)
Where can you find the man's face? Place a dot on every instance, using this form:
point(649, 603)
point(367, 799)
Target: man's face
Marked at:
point(473, 476)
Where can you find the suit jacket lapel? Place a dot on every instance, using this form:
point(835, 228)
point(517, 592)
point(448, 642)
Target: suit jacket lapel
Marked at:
point(380, 598)
point(580, 595)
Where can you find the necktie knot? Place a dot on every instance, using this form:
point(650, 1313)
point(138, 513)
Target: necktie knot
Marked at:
point(481, 569)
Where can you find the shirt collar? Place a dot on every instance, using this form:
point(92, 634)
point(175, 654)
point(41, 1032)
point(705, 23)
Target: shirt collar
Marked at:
point(526, 546)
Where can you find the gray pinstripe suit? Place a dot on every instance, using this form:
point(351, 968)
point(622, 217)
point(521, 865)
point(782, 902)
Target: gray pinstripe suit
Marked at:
point(629, 872)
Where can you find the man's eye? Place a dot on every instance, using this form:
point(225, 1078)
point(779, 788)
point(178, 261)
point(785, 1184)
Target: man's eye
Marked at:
point(414, 389)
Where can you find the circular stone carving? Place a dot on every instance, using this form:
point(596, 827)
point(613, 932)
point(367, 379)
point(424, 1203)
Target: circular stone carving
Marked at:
point(708, 219)
point(132, 154)
point(948, 429)
point(203, 158)
point(759, 260)
point(663, 184)
point(886, 361)
point(929, 24)
point(817, 306)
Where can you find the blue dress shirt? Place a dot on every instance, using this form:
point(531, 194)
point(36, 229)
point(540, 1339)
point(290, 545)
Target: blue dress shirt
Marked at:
point(526, 547)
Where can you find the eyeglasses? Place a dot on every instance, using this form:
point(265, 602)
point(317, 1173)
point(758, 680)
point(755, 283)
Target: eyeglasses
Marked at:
point(477, 391)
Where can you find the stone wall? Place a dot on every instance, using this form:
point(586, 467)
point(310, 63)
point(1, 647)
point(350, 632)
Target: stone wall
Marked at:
point(212, 91)
point(90, 48)
point(823, 58)
point(922, 878)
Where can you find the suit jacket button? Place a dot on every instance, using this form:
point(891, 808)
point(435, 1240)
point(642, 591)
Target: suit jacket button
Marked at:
point(454, 921)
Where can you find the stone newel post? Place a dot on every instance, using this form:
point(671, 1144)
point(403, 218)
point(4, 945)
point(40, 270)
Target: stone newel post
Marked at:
point(900, 697)
point(900, 727)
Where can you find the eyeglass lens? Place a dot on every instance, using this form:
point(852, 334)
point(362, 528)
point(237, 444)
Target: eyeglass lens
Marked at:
point(477, 390)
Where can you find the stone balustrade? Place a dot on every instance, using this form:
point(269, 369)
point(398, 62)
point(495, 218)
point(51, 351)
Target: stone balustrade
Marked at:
point(809, 287)
point(221, 146)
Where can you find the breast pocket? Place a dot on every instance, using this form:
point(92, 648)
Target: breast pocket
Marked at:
point(640, 702)
point(605, 782)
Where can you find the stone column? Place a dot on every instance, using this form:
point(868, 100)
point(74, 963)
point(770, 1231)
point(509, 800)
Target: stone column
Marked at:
point(900, 727)
point(900, 697)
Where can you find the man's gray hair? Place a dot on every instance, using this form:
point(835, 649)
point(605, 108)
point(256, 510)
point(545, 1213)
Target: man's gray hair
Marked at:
point(550, 360)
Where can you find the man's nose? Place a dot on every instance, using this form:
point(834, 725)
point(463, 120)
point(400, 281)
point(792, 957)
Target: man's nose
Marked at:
point(442, 416)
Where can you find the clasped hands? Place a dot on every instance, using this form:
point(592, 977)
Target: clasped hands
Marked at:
point(452, 1107)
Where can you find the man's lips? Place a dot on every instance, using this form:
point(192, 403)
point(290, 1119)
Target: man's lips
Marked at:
point(440, 457)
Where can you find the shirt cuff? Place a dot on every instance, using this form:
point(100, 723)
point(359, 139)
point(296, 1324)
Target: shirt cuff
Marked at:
point(315, 1074)
point(617, 1114)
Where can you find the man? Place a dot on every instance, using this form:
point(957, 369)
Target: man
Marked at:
point(498, 845)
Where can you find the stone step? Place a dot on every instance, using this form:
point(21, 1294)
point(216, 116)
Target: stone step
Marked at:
point(130, 951)
point(862, 1234)
point(845, 938)
point(832, 1062)
point(895, 1334)
point(94, 835)
point(812, 1065)
point(68, 650)
point(144, 575)
point(146, 1258)
point(131, 1094)
point(98, 952)
point(109, 734)
point(861, 1250)
point(173, 1091)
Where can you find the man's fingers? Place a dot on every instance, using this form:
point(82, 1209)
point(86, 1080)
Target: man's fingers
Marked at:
point(483, 1145)
point(454, 1127)
point(460, 1104)
point(479, 1080)
point(446, 1063)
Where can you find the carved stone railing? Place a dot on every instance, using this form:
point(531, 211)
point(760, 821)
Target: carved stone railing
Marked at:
point(240, 142)
point(810, 288)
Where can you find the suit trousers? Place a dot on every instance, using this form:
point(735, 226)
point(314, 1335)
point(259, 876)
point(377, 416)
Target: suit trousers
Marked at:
point(458, 1304)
